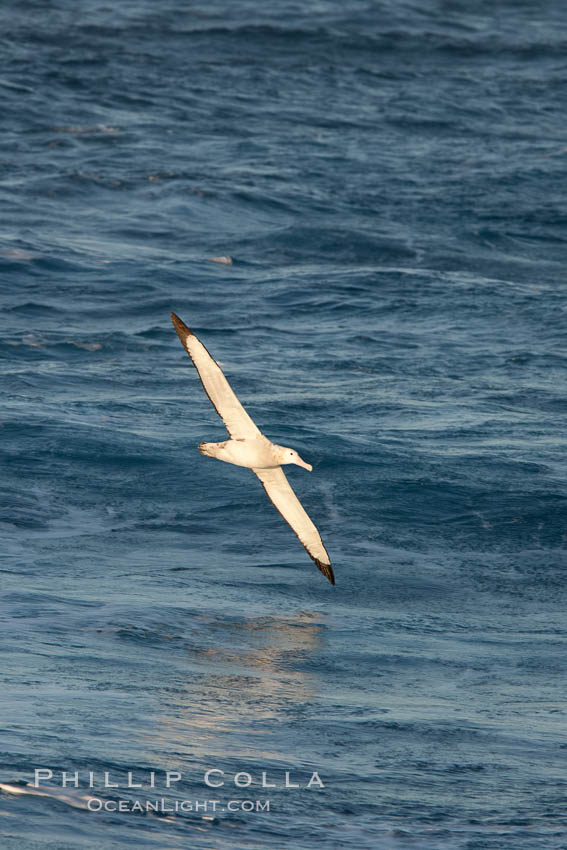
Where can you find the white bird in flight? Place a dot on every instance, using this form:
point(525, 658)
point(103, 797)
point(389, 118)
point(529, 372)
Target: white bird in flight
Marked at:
point(249, 447)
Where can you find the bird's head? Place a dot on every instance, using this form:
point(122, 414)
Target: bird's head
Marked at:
point(286, 455)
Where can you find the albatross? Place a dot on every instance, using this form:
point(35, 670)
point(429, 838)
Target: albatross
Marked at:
point(248, 447)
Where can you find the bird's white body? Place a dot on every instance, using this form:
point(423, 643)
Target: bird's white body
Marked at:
point(250, 448)
point(247, 453)
point(257, 453)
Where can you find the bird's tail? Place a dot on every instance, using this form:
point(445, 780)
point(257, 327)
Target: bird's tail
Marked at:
point(207, 449)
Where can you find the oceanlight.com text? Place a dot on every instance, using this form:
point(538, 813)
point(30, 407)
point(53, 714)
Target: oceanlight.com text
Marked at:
point(165, 806)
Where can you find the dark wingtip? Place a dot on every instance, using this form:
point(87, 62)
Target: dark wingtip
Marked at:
point(180, 327)
point(326, 569)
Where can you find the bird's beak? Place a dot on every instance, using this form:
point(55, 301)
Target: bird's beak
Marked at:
point(302, 463)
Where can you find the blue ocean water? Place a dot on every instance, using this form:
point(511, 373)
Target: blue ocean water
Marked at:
point(388, 178)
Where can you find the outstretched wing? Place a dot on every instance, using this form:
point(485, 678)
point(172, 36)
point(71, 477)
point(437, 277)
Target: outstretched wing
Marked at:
point(278, 490)
point(237, 422)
